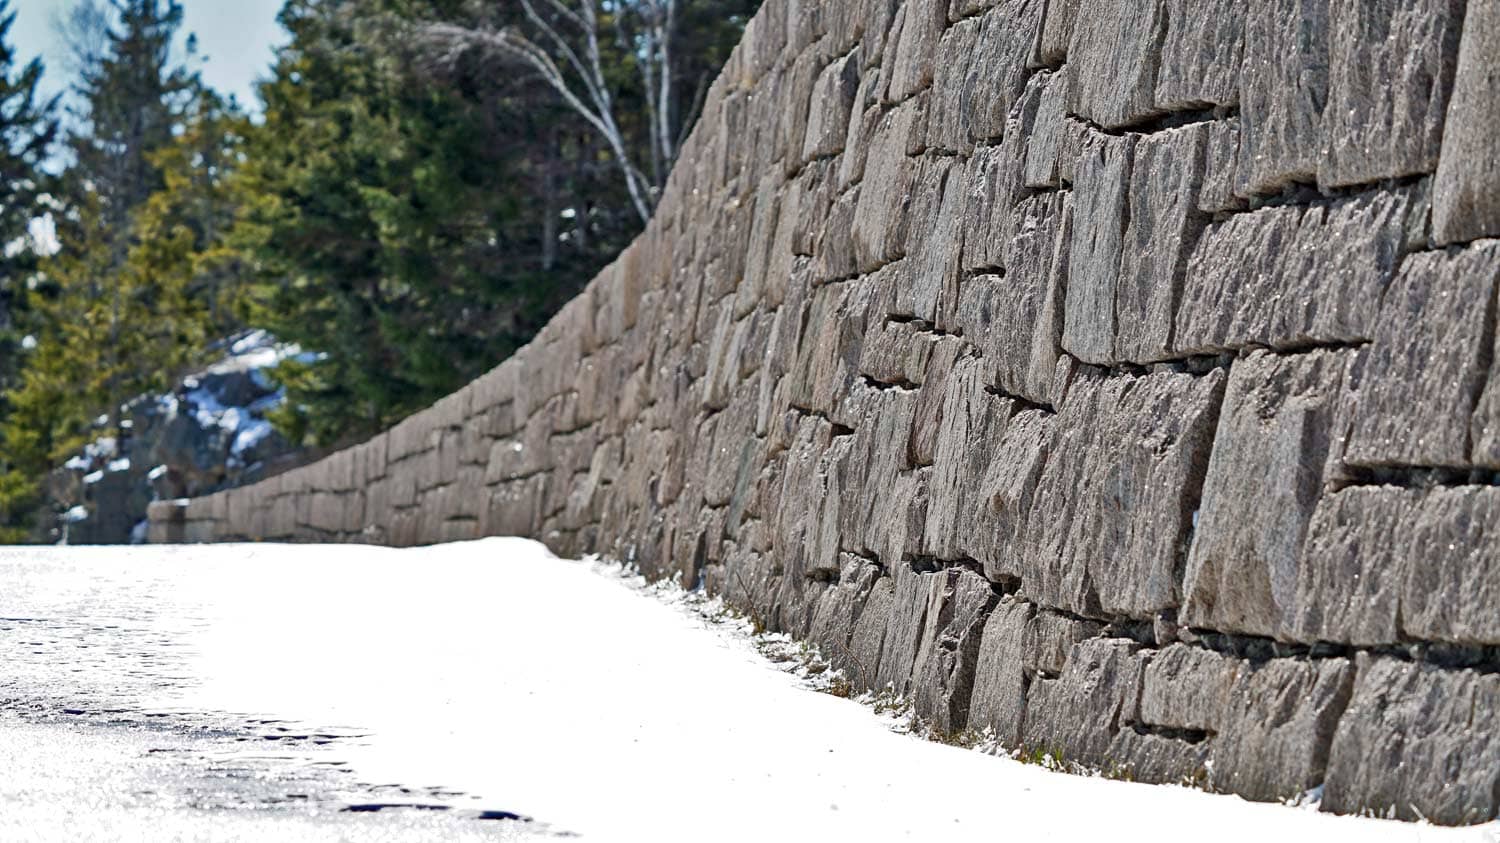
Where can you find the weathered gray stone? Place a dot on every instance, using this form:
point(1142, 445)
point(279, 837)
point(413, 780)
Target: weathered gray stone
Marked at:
point(920, 25)
point(1050, 637)
point(949, 111)
point(1283, 89)
point(880, 219)
point(1000, 676)
point(1077, 715)
point(1111, 515)
point(969, 416)
point(1417, 742)
point(994, 178)
point(1391, 68)
point(1201, 54)
point(1466, 192)
point(1101, 201)
point(904, 628)
point(1044, 142)
point(1221, 171)
point(867, 642)
point(1429, 360)
point(1113, 59)
point(958, 603)
point(1383, 564)
point(997, 72)
point(1057, 31)
point(934, 242)
point(1016, 319)
point(1273, 743)
point(1164, 226)
point(1007, 494)
point(1292, 276)
point(1353, 564)
point(839, 607)
point(1187, 688)
point(1140, 755)
point(1276, 434)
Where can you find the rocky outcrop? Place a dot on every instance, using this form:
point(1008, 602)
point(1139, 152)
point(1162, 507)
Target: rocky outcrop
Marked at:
point(209, 433)
point(1118, 377)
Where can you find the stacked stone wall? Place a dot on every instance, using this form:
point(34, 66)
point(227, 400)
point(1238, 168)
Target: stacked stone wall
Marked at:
point(1115, 375)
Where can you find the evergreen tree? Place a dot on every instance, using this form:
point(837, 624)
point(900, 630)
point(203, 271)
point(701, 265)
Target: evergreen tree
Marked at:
point(27, 131)
point(109, 314)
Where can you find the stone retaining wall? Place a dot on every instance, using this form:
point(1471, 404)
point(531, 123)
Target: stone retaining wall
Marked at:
point(1113, 375)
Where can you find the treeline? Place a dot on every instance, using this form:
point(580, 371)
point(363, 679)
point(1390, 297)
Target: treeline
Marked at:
point(420, 186)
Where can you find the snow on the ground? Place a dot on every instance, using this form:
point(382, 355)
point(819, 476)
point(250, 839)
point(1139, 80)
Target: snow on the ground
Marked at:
point(572, 693)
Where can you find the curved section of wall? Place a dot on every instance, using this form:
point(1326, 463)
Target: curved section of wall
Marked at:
point(1113, 375)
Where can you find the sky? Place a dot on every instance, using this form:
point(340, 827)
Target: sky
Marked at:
point(236, 36)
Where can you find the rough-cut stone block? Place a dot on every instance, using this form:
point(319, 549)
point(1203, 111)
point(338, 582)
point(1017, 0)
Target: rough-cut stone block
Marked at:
point(934, 242)
point(999, 68)
point(1429, 360)
point(1108, 526)
point(1186, 689)
point(948, 111)
point(1417, 743)
point(958, 603)
point(1200, 54)
point(867, 642)
point(1057, 31)
point(1016, 319)
point(1391, 68)
point(1164, 225)
point(1466, 192)
point(1050, 637)
point(1141, 755)
point(880, 219)
point(1382, 564)
point(921, 26)
point(1293, 276)
point(970, 416)
point(994, 178)
point(1353, 564)
point(1000, 676)
point(839, 607)
point(1007, 494)
point(1276, 434)
point(1221, 170)
point(1045, 140)
point(1077, 715)
point(1273, 742)
point(1113, 59)
point(1101, 201)
point(1283, 89)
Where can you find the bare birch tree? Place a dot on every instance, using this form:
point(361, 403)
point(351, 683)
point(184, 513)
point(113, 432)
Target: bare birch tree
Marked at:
point(560, 41)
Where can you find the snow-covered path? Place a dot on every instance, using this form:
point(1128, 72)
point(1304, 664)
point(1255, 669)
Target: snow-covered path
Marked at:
point(491, 676)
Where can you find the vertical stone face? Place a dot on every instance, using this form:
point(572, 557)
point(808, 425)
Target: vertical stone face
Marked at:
point(1275, 737)
point(1391, 69)
point(1164, 224)
point(1001, 677)
point(1429, 360)
point(1114, 54)
point(1201, 54)
point(1283, 91)
point(1275, 437)
point(1466, 193)
point(1417, 742)
point(1077, 715)
point(1108, 523)
point(1292, 276)
point(1382, 564)
point(1101, 202)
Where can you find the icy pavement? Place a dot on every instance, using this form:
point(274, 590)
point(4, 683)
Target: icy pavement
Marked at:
point(309, 693)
